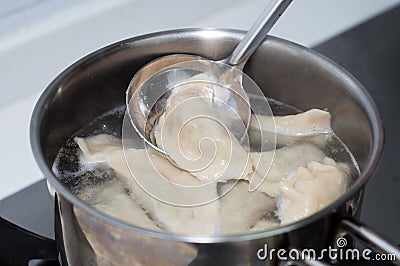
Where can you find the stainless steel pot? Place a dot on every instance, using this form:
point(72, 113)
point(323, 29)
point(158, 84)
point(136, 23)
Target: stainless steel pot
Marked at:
point(285, 71)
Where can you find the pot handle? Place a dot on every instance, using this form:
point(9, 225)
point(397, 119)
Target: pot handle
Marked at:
point(370, 237)
point(358, 230)
point(18, 246)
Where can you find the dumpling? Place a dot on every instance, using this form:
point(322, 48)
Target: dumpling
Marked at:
point(202, 219)
point(95, 149)
point(191, 133)
point(240, 209)
point(113, 200)
point(314, 125)
point(98, 149)
point(177, 219)
point(284, 162)
point(264, 225)
point(310, 189)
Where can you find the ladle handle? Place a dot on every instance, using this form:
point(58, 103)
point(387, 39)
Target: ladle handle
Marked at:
point(258, 32)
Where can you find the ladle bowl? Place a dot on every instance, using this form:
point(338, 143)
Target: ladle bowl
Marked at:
point(142, 114)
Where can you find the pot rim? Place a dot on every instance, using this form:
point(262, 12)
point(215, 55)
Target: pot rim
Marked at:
point(357, 88)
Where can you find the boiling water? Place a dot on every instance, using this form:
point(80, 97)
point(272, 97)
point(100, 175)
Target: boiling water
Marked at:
point(77, 176)
point(85, 181)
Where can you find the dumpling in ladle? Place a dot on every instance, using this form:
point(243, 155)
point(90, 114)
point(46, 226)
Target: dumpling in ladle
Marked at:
point(193, 133)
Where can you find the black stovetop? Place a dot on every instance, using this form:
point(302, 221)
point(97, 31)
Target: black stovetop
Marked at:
point(371, 52)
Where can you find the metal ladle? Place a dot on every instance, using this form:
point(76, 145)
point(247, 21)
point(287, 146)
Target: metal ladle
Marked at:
point(143, 116)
